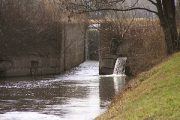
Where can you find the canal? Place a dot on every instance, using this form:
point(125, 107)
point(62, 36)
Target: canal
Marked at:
point(79, 94)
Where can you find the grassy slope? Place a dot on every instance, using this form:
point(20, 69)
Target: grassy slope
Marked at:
point(155, 95)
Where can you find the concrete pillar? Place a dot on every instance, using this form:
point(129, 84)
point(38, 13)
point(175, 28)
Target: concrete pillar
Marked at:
point(106, 58)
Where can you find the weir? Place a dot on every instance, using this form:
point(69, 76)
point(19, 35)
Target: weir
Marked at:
point(119, 67)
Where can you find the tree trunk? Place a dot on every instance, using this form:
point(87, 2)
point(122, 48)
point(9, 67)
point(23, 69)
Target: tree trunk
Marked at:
point(167, 16)
point(171, 37)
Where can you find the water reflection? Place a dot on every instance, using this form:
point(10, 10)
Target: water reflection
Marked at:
point(20, 96)
point(108, 87)
point(119, 83)
point(79, 94)
point(106, 90)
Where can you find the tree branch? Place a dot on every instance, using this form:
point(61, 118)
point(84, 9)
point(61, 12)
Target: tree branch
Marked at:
point(154, 3)
point(115, 9)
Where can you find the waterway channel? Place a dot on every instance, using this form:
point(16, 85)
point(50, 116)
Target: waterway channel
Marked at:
point(79, 94)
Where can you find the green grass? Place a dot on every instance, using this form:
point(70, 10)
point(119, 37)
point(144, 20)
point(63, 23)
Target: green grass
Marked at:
point(154, 95)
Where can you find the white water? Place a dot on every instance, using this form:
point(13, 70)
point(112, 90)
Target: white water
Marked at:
point(119, 68)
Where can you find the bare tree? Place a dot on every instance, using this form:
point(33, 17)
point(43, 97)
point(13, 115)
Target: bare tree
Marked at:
point(164, 9)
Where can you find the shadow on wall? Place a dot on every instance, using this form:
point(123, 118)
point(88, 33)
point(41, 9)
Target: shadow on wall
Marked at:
point(5, 64)
point(34, 68)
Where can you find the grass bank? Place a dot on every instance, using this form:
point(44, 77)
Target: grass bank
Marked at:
point(153, 95)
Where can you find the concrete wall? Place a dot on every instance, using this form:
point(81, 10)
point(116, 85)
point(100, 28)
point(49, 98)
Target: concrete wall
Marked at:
point(23, 66)
point(60, 52)
point(74, 45)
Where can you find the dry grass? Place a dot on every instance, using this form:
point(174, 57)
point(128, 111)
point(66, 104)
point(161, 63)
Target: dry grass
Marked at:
point(143, 43)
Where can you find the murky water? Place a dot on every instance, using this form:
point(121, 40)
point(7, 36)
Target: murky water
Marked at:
point(80, 94)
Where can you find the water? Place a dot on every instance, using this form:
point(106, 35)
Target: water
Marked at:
point(80, 94)
point(120, 66)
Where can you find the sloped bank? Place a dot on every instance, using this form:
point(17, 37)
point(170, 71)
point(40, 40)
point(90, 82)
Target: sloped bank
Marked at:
point(153, 95)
